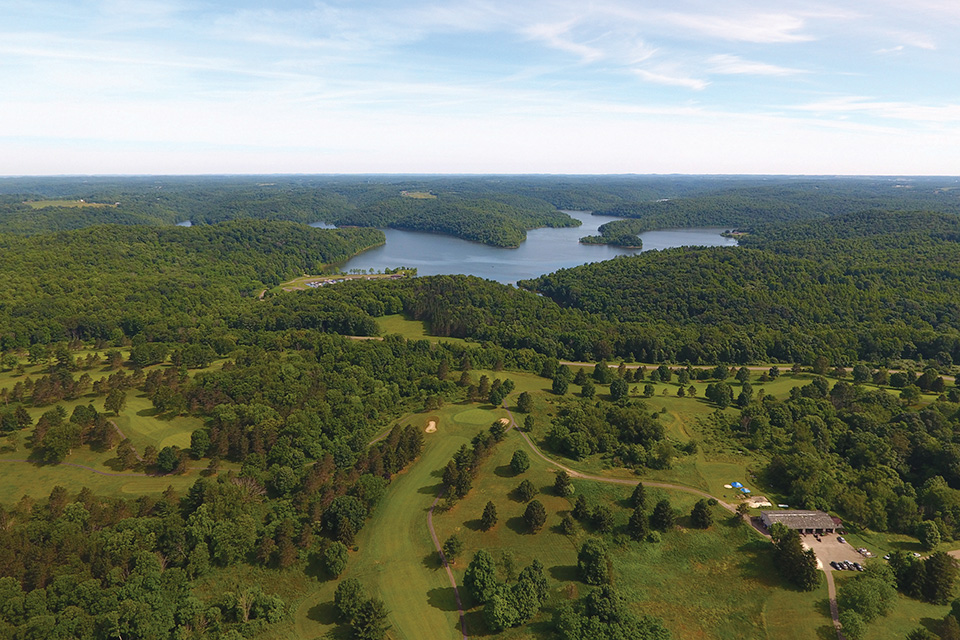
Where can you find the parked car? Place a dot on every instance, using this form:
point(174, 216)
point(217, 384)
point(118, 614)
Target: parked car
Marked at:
point(840, 539)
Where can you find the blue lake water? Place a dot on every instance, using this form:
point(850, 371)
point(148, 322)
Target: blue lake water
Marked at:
point(545, 250)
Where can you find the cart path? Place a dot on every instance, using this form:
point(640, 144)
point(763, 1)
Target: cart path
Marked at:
point(832, 596)
point(446, 565)
point(831, 589)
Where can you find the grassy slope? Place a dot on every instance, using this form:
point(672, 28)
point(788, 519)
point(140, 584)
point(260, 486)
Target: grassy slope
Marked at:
point(714, 584)
point(396, 560)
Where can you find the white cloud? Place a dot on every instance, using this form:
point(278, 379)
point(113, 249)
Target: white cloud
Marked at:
point(918, 113)
point(671, 79)
point(764, 28)
point(554, 35)
point(735, 65)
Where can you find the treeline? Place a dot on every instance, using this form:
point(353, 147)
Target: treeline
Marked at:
point(486, 221)
point(871, 286)
point(111, 282)
point(745, 205)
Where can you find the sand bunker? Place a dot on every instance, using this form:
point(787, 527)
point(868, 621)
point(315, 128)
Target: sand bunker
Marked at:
point(431, 426)
point(504, 421)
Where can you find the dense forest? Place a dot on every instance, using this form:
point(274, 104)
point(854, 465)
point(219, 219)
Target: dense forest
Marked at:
point(871, 286)
point(101, 282)
point(743, 206)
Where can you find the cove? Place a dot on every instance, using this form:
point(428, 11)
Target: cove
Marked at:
point(544, 251)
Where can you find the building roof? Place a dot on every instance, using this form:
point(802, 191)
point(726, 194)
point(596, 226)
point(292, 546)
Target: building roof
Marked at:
point(801, 519)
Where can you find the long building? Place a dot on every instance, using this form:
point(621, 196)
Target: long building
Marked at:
point(802, 521)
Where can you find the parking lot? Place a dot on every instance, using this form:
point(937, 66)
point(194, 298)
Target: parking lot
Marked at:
point(830, 549)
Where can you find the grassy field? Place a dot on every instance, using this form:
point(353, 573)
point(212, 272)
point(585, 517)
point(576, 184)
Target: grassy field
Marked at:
point(411, 329)
point(40, 204)
point(713, 584)
point(907, 615)
point(95, 469)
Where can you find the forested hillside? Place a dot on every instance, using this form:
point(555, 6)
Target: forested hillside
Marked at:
point(487, 221)
point(745, 206)
point(860, 286)
point(99, 282)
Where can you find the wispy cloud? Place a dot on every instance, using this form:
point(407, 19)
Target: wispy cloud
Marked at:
point(671, 79)
point(861, 105)
point(556, 35)
point(763, 28)
point(735, 65)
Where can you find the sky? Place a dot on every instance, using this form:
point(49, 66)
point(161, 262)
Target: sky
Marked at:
point(480, 86)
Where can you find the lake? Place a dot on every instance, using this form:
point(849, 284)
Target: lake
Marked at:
point(545, 250)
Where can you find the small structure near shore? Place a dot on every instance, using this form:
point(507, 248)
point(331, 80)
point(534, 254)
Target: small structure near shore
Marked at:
point(802, 521)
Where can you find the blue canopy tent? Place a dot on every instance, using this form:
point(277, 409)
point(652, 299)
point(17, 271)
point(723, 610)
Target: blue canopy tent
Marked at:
point(744, 490)
point(736, 485)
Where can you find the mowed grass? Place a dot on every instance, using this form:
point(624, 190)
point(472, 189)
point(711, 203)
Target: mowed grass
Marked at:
point(396, 560)
point(85, 467)
point(907, 614)
point(40, 204)
point(18, 479)
point(411, 329)
point(718, 583)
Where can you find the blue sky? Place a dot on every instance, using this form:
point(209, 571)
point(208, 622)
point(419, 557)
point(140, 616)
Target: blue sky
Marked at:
point(461, 86)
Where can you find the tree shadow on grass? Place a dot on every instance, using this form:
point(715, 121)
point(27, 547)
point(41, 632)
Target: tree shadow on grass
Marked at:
point(823, 607)
point(474, 525)
point(757, 565)
point(933, 625)
point(518, 525)
point(315, 568)
point(504, 471)
point(476, 625)
point(442, 598)
point(564, 573)
point(431, 489)
point(149, 413)
point(826, 632)
point(324, 613)
point(431, 561)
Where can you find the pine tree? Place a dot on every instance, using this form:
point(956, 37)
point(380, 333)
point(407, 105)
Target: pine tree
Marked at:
point(489, 517)
point(639, 525)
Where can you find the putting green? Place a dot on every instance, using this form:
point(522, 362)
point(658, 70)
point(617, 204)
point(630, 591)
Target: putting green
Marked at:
point(475, 416)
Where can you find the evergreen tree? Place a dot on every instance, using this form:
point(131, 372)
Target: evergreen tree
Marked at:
point(638, 499)
point(370, 622)
point(580, 509)
point(663, 516)
point(701, 517)
point(489, 517)
point(535, 516)
point(480, 578)
point(593, 563)
point(639, 525)
point(562, 485)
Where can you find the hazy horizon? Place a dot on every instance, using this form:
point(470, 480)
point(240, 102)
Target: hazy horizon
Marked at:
point(474, 87)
